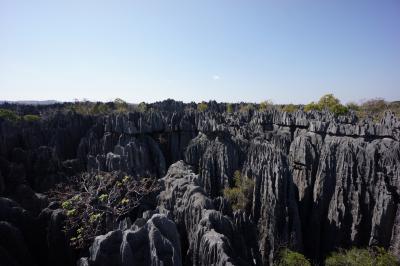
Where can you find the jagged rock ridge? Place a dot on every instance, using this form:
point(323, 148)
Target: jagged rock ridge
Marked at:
point(321, 182)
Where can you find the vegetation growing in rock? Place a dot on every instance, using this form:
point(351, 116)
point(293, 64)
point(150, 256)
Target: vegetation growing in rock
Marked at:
point(246, 107)
point(376, 256)
point(327, 102)
point(288, 257)
point(202, 106)
point(31, 118)
point(229, 108)
point(241, 193)
point(95, 203)
point(120, 105)
point(142, 107)
point(265, 105)
point(290, 108)
point(9, 115)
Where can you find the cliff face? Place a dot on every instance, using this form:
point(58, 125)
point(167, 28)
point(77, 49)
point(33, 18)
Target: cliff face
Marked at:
point(321, 182)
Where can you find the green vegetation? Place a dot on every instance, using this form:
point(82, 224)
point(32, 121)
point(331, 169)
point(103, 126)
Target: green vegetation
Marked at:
point(13, 116)
point(291, 258)
point(98, 108)
point(142, 107)
point(375, 256)
point(327, 102)
point(290, 108)
point(120, 105)
point(353, 106)
point(360, 257)
point(265, 105)
point(94, 203)
point(246, 107)
point(229, 108)
point(31, 118)
point(89, 108)
point(240, 195)
point(202, 106)
point(9, 115)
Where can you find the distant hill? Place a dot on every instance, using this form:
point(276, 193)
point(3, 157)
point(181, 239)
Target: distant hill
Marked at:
point(27, 102)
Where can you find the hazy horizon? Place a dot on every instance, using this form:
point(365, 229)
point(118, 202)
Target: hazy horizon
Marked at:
point(228, 51)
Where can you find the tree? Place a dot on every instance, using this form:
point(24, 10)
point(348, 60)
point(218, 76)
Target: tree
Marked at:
point(289, 108)
point(229, 108)
point(241, 193)
point(327, 102)
point(291, 258)
point(94, 203)
point(142, 107)
point(265, 105)
point(9, 115)
point(202, 107)
point(31, 118)
point(120, 105)
point(247, 108)
point(359, 257)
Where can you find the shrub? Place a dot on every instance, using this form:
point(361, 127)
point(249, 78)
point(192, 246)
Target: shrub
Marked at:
point(246, 108)
point(9, 115)
point(202, 106)
point(240, 195)
point(265, 105)
point(95, 203)
point(31, 118)
point(291, 258)
point(339, 109)
point(120, 105)
point(312, 106)
point(353, 106)
point(289, 108)
point(360, 257)
point(142, 107)
point(328, 102)
point(100, 108)
point(229, 108)
point(373, 108)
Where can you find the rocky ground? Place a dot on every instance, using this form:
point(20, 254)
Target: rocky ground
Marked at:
point(321, 182)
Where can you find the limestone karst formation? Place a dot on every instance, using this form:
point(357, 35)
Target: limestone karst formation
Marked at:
point(320, 182)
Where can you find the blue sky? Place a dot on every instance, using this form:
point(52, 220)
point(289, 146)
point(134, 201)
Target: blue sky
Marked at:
point(287, 51)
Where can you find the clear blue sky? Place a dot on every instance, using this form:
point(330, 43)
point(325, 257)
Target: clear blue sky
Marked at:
point(232, 50)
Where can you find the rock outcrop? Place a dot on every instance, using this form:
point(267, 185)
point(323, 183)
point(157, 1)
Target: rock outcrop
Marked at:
point(321, 182)
point(151, 242)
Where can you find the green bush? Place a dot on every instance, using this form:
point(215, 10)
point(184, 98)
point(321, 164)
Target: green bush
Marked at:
point(312, 106)
point(353, 106)
point(265, 105)
point(246, 108)
point(328, 102)
point(202, 106)
point(142, 107)
point(289, 108)
point(229, 108)
point(120, 105)
point(240, 195)
point(374, 108)
point(31, 118)
point(9, 115)
point(100, 108)
point(361, 257)
point(291, 258)
point(95, 203)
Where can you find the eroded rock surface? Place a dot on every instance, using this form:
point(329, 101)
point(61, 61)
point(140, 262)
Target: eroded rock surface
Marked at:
point(321, 182)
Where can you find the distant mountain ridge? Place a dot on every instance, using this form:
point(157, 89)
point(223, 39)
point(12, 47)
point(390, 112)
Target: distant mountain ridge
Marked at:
point(28, 102)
